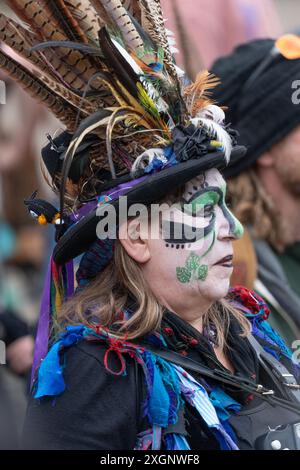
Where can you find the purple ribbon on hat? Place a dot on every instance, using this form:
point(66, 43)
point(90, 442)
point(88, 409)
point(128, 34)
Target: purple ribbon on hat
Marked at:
point(113, 193)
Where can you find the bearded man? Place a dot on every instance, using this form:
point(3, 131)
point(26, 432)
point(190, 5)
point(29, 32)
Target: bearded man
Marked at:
point(260, 87)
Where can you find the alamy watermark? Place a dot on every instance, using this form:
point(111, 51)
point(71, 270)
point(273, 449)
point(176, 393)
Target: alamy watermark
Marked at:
point(296, 353)
point(176, 221)
point(2, 353)
point(2, 92)
point(296, 94)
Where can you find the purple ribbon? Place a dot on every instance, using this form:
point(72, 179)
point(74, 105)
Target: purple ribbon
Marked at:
point(113, 193)
point(42, 336)
point(70, 278)
point(119, 190)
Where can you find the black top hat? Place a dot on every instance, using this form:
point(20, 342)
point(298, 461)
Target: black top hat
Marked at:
point(135, 124)
point(154, 187)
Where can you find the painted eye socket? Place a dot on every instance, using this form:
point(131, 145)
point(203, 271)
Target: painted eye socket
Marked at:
point(206, 211)
point(203, 204)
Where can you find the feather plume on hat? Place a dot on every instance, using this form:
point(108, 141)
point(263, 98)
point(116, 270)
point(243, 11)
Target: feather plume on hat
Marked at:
point(89, 56)
point(134, 125)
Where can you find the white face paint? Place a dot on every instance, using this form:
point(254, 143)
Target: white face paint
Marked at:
point(193, 257)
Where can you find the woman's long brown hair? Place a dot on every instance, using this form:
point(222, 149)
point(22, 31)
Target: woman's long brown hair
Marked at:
point(104, 300)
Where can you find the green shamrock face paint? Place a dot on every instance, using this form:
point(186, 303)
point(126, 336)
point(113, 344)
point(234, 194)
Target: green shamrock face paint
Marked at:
point(193, 270)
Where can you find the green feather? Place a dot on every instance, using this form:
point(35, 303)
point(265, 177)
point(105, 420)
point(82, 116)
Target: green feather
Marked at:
point(147, 102)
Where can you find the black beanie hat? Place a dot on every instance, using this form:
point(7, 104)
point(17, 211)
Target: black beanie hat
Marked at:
point(263, 112)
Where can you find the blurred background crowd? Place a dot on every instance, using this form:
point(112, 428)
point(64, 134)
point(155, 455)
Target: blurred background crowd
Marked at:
point(213, 28)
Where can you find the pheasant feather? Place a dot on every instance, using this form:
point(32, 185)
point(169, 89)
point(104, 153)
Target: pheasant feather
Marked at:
point(74, 67)
point(117, 12)
point(87, 18)
point(19, 39)
point(62, 103)
point(61, 10)
point(106, 67)
point(155, 26)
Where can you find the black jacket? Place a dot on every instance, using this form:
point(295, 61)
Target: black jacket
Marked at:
point(97, 411)
point(101, 411)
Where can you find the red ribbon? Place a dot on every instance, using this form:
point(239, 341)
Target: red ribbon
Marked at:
point(115, 345)
point(120, 347)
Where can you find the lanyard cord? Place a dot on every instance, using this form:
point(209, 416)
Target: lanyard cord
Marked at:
point(224, 377)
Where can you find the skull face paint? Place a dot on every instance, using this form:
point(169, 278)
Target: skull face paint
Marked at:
point(200, 202)
point(192, 259)
point(197, 224)
point(194, 217)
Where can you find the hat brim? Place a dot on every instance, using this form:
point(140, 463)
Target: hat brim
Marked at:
point(82, 234)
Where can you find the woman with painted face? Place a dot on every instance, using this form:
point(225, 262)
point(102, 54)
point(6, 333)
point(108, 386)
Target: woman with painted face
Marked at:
point(152, 350)
point(165, 290)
